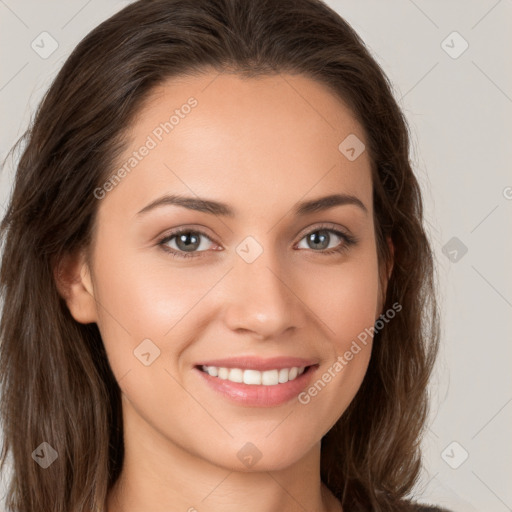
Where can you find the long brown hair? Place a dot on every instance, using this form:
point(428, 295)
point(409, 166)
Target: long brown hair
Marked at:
point(56, 382)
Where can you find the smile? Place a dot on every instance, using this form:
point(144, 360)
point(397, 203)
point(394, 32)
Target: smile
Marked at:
point(255, 377)
point(254, 381)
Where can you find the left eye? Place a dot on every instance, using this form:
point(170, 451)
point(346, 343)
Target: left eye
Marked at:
point(188, 242)
point(322, 237)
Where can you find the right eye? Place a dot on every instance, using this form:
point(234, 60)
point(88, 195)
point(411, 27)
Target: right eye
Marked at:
point(187, 241)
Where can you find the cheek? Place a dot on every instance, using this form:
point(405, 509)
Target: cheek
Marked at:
point(139, 301)
point(348, 307)
point(345, 298)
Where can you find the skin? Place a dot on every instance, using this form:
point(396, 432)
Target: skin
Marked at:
point(261, 145)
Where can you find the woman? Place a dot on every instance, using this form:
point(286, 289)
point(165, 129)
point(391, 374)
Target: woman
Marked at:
point(218, 293)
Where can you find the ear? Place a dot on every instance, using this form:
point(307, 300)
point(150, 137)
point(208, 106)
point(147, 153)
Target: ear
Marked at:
point(385, 275)
point(73, 279)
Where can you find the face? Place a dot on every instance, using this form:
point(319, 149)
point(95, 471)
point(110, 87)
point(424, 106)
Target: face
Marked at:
point(258, 283)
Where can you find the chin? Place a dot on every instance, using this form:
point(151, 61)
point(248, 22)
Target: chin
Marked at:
point(261, 455)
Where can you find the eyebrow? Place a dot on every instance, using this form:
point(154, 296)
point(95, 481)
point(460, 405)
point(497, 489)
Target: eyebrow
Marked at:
point(217, 208)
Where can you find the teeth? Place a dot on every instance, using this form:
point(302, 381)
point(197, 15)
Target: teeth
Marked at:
point(270, 377)
point(283, 375)
point(213, 371)
point(252, 377)
point(255, 377)
point(236, 375)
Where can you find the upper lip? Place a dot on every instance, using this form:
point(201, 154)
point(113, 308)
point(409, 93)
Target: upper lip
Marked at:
point(259, 363)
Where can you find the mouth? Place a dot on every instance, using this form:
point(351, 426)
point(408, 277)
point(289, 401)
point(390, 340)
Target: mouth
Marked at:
point(253, 377)
point(256, 382)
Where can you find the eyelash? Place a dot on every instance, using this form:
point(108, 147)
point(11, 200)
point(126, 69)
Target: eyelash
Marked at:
point(349, 241)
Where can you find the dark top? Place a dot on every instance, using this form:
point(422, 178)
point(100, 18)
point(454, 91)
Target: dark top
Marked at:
point(429, 508)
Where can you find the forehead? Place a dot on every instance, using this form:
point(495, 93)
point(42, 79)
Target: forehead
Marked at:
point(265, 142)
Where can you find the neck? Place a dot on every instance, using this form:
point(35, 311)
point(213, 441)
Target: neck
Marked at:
point(160, 476)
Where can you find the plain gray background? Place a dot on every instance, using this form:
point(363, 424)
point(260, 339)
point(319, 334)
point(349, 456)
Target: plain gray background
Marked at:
point(450, 63)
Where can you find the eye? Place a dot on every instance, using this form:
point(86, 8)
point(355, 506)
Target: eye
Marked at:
point(319, 240)
point(187, 241)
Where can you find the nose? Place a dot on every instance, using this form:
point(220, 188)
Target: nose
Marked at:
point(263, 299)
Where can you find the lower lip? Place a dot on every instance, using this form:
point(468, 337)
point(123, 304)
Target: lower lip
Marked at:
point(253, 395)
